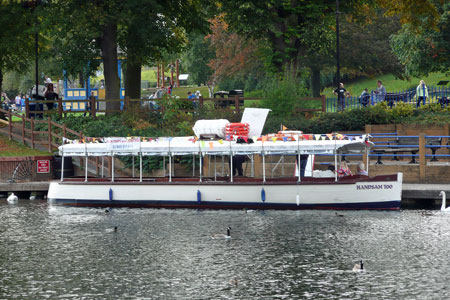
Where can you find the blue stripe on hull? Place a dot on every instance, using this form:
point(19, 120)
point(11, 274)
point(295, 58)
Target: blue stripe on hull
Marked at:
point(386, 205)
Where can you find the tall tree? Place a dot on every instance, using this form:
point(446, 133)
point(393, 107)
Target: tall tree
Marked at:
point(423, 48)
point(17, 23)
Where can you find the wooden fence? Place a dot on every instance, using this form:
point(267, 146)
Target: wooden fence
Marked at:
point(142, 103)
point(24, 131)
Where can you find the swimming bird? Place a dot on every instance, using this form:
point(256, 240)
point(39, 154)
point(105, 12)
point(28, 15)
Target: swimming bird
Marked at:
point(12, 199)
point(444, 198)
point(338, 215)
point(234, 281)
point(248, 210)
point(359, 267)
point(112, 230)
point(32, 198)
point(222, 236)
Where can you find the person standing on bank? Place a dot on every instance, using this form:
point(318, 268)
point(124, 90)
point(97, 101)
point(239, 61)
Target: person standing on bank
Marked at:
point(422, 93)
point(380, 91)
point(50, 95)
point(341, 92)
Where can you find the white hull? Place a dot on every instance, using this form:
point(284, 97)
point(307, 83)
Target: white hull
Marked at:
point(384, 193)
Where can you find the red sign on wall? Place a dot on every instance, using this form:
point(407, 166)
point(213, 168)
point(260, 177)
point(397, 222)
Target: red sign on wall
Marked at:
point(43, 166)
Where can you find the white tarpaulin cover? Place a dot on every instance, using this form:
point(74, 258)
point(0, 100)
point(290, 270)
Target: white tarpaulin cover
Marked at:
point(256, 118)
point(210, 127)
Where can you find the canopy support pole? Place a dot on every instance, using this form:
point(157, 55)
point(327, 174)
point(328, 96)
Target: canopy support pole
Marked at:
point(103, 166)
point(140, 166)
point(367, 160)
point(86, 169)
point(170, 167)
point(200, 165)
point(215, 168)
point(252, 158)
point(193, 165)
point(62, 166)
point(132, 168)
point(264, 166)
point(112, 168)
point(231, 166)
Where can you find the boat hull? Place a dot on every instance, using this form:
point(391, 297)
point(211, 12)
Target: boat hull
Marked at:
point(378, 193)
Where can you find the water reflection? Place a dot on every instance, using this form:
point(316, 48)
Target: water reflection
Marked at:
point(59, 252)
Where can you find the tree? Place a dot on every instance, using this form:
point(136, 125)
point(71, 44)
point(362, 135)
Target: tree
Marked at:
point(197, 57)
point(156, 29)
point(425, 49)
point(16, 36)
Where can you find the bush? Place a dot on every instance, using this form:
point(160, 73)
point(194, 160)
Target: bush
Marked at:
point(281, 95)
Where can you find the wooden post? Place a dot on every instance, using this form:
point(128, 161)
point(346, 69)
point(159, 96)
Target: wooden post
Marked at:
point(323, 99)
point(64, 131)
point(60, 108)
point(127, 103)
point(178, 72)
point(93, 107)
point(162, 73)
point(446, 133)
point(200, 101)
point(236, 103)
point(49, 134)
point(171, 74)
point(10, 125)
point(422, 151)
point(23, 129)
point(399, 129)
point(158, 76)
point(32, 132)
point(27, 107)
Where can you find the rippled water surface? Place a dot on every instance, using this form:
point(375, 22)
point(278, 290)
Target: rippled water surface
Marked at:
point(73, 253)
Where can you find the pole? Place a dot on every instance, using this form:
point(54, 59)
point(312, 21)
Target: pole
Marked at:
point(36, 50)
point(338, 71)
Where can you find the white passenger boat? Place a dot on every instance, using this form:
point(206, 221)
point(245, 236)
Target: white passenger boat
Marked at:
point(230, 192)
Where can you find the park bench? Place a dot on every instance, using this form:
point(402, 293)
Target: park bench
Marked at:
point(407, 144)
point(443, 97)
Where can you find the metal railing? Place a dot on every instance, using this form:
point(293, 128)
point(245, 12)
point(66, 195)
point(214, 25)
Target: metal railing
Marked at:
point(436, 95)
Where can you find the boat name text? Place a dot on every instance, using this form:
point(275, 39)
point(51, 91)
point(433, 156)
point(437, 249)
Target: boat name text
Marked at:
point(374, 187)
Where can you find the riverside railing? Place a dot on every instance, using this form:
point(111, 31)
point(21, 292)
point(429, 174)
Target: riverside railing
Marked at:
point(93, 106)
point(436, 95)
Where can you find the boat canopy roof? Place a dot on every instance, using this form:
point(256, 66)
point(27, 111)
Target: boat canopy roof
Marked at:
point(188, 145)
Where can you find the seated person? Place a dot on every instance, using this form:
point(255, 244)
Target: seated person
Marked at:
point(361, 170)
point(364, 98)
point(344, 170)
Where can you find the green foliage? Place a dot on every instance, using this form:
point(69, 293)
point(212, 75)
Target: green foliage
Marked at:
point(425, 49)
point(197, 58)
point(281, 95)
point(402, 111)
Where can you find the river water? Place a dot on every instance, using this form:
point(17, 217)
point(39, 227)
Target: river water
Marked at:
point(74, 253)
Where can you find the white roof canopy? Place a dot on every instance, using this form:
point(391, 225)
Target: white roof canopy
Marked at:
point(165, 146)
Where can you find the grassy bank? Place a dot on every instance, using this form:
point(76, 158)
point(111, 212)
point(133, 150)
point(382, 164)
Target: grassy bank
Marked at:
point(11, 148)
point(391, 83)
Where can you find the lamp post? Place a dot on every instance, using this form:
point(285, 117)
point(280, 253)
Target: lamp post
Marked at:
point(33, 5)
point(338, 75)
